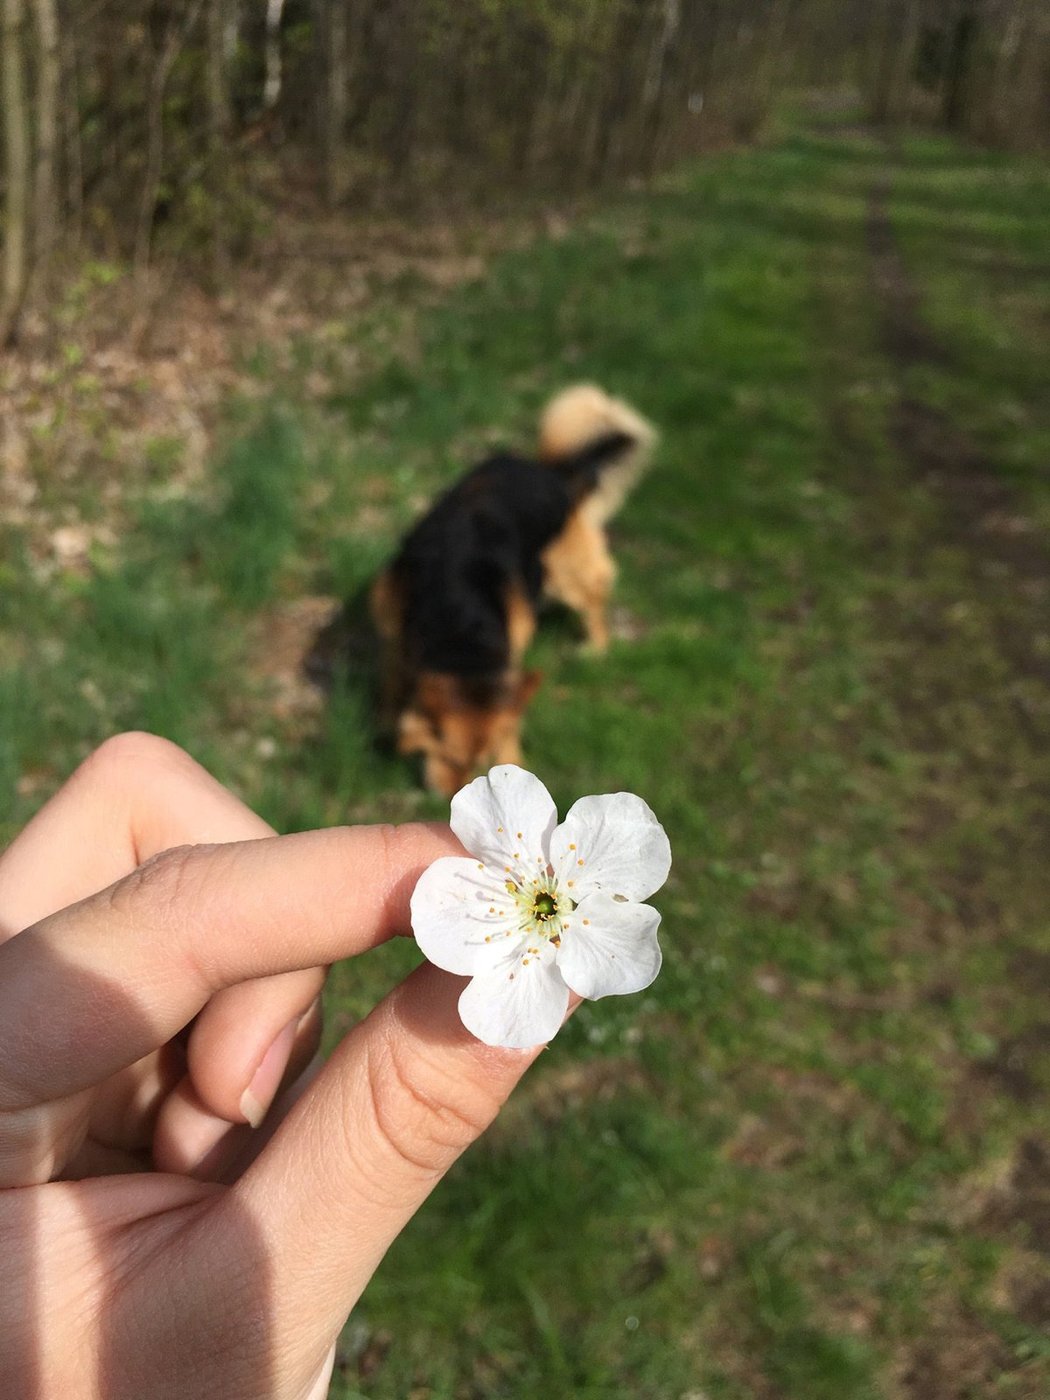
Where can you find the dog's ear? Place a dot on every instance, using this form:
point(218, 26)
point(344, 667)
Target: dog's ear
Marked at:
point(527, 687)
point(415, 733)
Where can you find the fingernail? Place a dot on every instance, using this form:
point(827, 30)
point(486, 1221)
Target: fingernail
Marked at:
point(258, 1096)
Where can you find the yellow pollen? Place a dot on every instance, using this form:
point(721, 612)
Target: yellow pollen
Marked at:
point(499, 831)
point(572, 846)
point(579, 862)
point(488, 938)
point(519, 835)
point(492, 909)
point(480, 866)
point(571, 883)
point(586, 921)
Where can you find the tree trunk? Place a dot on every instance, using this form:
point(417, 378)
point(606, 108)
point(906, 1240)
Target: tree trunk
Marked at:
point(74, 155)
point(881, 61)
point(1028, 126)
point(45, 197)
point(173, 42)
point(1014, 92)
point(904, 66)
point(613, 94)
point(272, 84)
point(231, 32)
point(771, 58)
point(896, 61)
point(958, 77)
point(16, 149)
point(653, 91)
point(218, 132)
point(401, 54)
point(337, 87)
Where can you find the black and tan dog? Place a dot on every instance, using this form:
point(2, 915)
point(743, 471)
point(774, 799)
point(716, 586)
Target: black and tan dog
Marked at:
point(456, 608)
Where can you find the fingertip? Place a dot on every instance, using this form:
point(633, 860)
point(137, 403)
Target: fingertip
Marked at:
point(264, 1083)
point(244, 1044)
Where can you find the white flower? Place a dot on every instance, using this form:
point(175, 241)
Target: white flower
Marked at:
point(541, 909)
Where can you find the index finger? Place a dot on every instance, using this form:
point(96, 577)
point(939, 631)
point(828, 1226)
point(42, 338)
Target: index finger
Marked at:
point(135, 795)
point(96, 986)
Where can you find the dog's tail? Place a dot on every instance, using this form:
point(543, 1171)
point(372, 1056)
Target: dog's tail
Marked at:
point(601, 443)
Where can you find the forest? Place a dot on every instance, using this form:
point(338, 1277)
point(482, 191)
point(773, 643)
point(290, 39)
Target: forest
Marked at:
point(178, 128)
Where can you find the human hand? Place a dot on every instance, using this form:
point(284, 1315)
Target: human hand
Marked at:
point(230, 1268)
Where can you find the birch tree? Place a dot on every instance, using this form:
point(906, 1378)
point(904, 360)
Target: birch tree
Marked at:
point(17, 177)
point(45, 192)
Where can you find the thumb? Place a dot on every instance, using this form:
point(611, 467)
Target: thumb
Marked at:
point(402, 1097)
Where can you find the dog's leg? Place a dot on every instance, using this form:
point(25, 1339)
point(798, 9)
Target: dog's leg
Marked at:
point(579, 571)
point(521, 623)
point(507, 748)
point(384, 600)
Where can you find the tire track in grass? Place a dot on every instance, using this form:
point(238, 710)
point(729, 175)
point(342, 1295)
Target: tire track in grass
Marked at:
point(979, 510)
point(978, 516)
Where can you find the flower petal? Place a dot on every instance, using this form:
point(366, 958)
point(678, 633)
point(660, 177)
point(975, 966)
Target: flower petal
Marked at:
point(462, 916)
point(518, 1005)
point(611, 843)
point(506, 818)
point(610, 948)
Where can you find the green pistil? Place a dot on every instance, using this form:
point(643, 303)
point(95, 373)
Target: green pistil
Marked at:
point(544, 908)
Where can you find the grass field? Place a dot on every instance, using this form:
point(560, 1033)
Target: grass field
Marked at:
point(813, 1161)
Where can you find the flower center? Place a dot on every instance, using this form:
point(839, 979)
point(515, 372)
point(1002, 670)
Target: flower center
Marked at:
point(545, 907)
point(542, 908)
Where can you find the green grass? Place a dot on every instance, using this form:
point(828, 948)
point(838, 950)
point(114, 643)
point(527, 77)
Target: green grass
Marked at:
point(986, 284)
point(786, 1169)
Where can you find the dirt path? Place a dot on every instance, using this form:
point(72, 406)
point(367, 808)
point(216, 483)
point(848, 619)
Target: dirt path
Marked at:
point(979, 511)
point(999, 669)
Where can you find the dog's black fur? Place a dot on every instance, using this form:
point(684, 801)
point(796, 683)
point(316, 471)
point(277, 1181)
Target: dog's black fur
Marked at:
point(482, 539)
